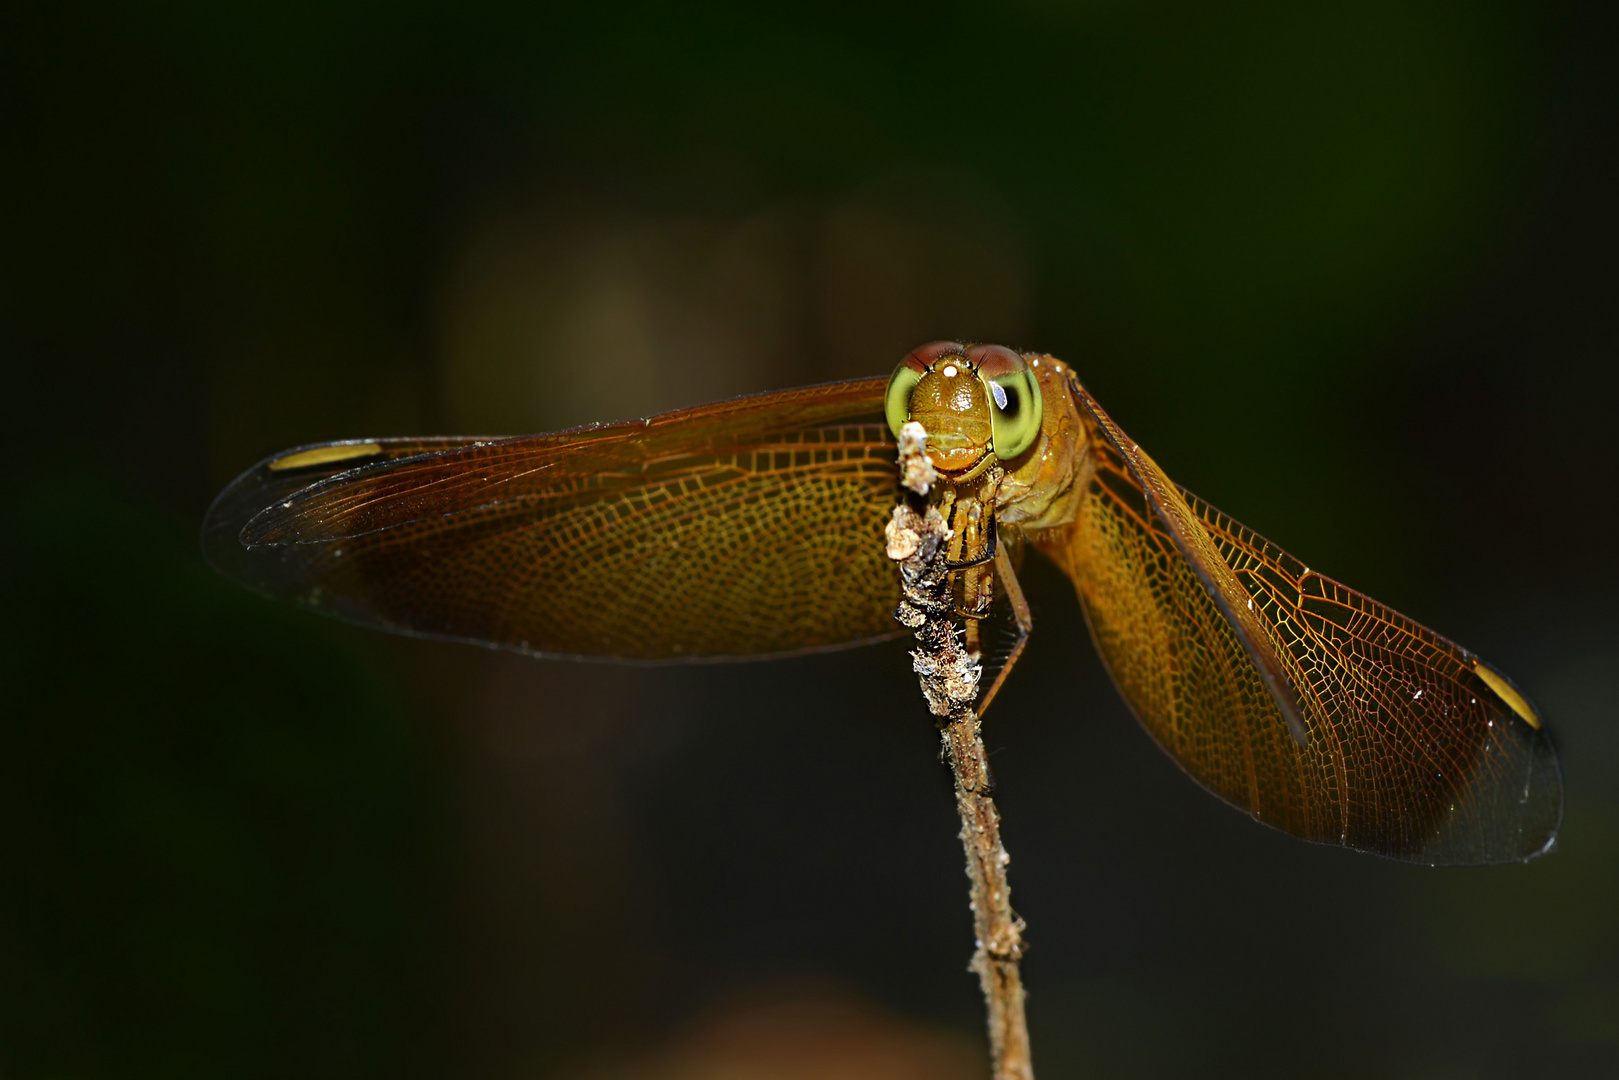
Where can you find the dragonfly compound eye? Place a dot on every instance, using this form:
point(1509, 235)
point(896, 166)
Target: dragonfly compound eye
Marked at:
point(1014, 392)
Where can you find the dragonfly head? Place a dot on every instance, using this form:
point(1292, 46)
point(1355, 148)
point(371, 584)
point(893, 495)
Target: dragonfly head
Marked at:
point(978, 402)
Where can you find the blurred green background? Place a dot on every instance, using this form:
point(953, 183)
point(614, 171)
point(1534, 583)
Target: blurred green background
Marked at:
point(1347, 269)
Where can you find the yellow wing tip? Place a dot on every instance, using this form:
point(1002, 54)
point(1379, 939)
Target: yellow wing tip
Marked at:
point(1508, 693)
point(325, 455)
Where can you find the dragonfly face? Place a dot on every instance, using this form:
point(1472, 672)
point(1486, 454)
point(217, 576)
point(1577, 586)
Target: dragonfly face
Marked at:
point(754, 527)
point(978, 403)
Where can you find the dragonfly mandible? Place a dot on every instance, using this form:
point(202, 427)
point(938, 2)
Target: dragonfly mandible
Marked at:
point(752, 528)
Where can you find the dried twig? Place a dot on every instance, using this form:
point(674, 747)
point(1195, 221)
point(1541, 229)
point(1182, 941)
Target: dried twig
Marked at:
point(949, 676)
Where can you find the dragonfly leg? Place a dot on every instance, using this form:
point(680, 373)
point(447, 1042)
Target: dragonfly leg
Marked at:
point(1020, 615)
point(975, 592)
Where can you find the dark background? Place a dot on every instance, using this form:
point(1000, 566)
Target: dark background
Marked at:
point(1346, 269)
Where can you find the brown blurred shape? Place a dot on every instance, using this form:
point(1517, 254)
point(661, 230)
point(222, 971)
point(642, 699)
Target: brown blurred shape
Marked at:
point(563, 313)
point(802, 1032)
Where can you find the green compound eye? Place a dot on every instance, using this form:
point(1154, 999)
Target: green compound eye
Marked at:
point(1014, 392)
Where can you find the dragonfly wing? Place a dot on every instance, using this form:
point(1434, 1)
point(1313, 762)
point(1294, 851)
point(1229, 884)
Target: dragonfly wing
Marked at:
point(1166, 505)
point(1416, 749)
point(747, 528)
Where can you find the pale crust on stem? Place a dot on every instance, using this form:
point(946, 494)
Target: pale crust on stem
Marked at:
point(949, 676)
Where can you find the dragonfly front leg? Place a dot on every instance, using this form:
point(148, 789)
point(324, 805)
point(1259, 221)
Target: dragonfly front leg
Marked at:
point(1020, 616)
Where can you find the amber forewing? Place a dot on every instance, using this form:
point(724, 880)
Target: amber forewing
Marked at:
point(747, 528)
point(1410, 752)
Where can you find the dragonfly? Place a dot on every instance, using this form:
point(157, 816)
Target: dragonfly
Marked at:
point(753, 528)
